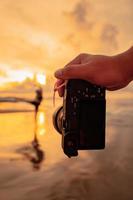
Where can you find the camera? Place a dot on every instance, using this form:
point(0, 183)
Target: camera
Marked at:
point(81, 119)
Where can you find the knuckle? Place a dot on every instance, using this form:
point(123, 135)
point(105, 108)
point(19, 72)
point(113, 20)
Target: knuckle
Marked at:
point(68, 70)
point(82, 54)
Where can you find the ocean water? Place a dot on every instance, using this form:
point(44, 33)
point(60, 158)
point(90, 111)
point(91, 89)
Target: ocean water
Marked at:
point(34, 167)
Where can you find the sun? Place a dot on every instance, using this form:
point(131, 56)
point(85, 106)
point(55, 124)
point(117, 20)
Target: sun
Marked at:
point(21, 75)
point(41, 78)
point(15, 76)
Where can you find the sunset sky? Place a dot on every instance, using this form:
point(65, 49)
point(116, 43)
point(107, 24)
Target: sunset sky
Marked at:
point(40, 36)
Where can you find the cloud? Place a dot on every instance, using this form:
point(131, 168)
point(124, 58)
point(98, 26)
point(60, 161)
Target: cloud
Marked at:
point(72, 41)
point(79, 14)
point(26, 38)
point(88, 31)
point(49, 33)
point(109, 35)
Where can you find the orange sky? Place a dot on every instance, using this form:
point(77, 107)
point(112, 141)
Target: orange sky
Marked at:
point(37, 36)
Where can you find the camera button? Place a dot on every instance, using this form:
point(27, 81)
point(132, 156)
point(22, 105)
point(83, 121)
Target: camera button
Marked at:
point(75, 105)
point(87, 90)
point(74, 113)
point(99, 90)
point(72, 99)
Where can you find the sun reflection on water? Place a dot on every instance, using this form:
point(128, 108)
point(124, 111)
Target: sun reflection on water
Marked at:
point(41, 118)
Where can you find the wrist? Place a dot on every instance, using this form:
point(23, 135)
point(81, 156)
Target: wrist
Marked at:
point(125, 64)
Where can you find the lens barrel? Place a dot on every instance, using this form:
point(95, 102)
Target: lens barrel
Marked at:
point(57, 119)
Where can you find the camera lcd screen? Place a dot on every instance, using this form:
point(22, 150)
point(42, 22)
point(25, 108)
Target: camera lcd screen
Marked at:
point(92, 124)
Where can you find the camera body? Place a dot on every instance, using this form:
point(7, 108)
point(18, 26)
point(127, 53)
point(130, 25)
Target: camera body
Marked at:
point(81, 120)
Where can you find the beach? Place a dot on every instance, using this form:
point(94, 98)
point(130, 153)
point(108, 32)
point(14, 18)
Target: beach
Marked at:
point(93, 175)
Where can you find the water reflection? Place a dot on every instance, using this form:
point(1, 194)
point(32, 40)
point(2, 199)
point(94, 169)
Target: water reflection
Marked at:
point(40, 121)
point(36, 155)
point(38, 158)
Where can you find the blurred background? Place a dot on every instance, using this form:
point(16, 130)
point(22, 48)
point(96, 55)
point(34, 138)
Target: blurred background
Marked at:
point(36, 38)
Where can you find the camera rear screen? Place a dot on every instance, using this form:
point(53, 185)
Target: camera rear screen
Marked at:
point(92, 124)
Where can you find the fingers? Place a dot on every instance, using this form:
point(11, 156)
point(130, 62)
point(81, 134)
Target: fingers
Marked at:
point(76, 71)
point(76, 60)
point(60, 89)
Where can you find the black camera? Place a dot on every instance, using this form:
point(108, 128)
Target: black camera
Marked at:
point(81, 119)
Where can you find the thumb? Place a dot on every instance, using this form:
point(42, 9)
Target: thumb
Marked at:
point(76, 71)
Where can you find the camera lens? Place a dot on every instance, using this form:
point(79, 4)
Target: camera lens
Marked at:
point(58, 119)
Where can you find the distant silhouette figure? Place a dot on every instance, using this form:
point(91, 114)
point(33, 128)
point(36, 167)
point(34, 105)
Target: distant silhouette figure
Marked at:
point(38, 99)
point(36, 102)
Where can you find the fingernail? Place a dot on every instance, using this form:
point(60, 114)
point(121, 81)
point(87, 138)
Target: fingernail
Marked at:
point(58, 73)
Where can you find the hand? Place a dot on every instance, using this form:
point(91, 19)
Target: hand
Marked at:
point(112, 72)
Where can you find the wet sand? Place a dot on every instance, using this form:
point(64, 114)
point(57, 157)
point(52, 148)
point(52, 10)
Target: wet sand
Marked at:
point(94, 175)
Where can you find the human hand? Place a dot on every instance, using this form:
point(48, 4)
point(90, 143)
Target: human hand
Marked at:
point(108, 71)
